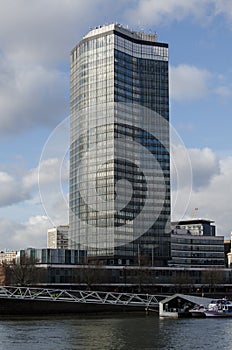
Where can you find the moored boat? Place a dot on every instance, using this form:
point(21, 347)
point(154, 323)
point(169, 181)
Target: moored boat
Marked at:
point(219, 308)
point(198, 311)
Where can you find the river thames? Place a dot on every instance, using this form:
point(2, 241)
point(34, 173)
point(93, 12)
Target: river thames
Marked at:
point(114, 333)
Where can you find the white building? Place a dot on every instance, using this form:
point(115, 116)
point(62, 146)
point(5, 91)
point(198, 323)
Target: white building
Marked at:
point(57, 237)
point(7, 257)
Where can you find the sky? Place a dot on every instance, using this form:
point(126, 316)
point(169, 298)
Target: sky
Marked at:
point(36, 38)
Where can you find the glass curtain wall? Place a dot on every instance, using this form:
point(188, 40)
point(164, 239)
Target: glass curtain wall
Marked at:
point(141, 88)
point(119, 148)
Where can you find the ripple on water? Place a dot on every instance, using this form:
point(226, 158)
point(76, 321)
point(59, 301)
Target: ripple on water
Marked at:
point(114, 333)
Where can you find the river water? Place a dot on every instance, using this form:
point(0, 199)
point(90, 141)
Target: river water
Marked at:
point(114, 333)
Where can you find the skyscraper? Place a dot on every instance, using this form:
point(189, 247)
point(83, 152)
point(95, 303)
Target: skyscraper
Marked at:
point(119, 147)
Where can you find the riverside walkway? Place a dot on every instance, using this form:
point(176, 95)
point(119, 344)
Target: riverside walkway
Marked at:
point(80, 296)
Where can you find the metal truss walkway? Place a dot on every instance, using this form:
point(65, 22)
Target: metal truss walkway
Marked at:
point(79, 296)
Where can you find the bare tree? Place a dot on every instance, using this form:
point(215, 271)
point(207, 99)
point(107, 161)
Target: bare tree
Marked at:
point(90, 275)
point(212, 277)
point(23, 273)
point(141, 277)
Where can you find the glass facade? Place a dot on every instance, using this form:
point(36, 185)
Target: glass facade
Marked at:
point(48, 256)
point(119, 147)
point(197, 251)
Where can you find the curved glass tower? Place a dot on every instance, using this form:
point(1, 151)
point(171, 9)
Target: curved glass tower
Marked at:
point(119, 147)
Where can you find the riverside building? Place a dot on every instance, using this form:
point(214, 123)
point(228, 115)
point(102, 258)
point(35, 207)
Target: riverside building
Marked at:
point(194, 244)
point(119, 148)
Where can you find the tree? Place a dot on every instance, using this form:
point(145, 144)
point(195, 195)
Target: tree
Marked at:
point(90, 275)
point(23, 274)
point(212, 277)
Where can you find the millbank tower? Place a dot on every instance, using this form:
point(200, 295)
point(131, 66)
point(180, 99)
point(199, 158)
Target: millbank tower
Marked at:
point(119, 147)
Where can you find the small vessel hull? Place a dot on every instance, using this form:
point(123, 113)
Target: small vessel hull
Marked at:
point(218, 314)
point(197, 313)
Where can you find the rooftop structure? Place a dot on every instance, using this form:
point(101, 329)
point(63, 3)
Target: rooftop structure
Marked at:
point(198, 227)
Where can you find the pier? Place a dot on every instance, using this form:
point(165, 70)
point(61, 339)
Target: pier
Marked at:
point(17, 300)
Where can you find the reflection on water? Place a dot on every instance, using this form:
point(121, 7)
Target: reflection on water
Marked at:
point(114, 333)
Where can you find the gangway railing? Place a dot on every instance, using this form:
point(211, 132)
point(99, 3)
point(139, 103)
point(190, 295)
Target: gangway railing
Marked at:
point(80, 296)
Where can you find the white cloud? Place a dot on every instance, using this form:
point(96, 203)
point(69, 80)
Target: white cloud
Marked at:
point(39, 31)
point(214, 201)
point(223, 91)
point(56, 207)
point(52, 206)
point(50, 176)
point(32, 230)
point(224, 7)
point(181, 168)
point(49, 171)
point(205, 166)
point(150, 12)
point(11, 190)
point(188, 82)
point(30, 96)
point(19, 235)
point(211, 189)
point(44, 32)
point(195, 167)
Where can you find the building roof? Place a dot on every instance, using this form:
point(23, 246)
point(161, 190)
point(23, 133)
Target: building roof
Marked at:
point(193, 299)
point(118, 27)
point(193, 221)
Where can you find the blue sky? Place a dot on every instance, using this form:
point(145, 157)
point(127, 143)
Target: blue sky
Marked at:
point(35, 41)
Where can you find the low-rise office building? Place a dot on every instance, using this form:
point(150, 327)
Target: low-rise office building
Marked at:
point(51, 256)
point(197, 251)
point(194, 244)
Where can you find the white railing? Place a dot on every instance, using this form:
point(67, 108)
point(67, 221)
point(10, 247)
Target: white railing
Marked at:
point(80, 296)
